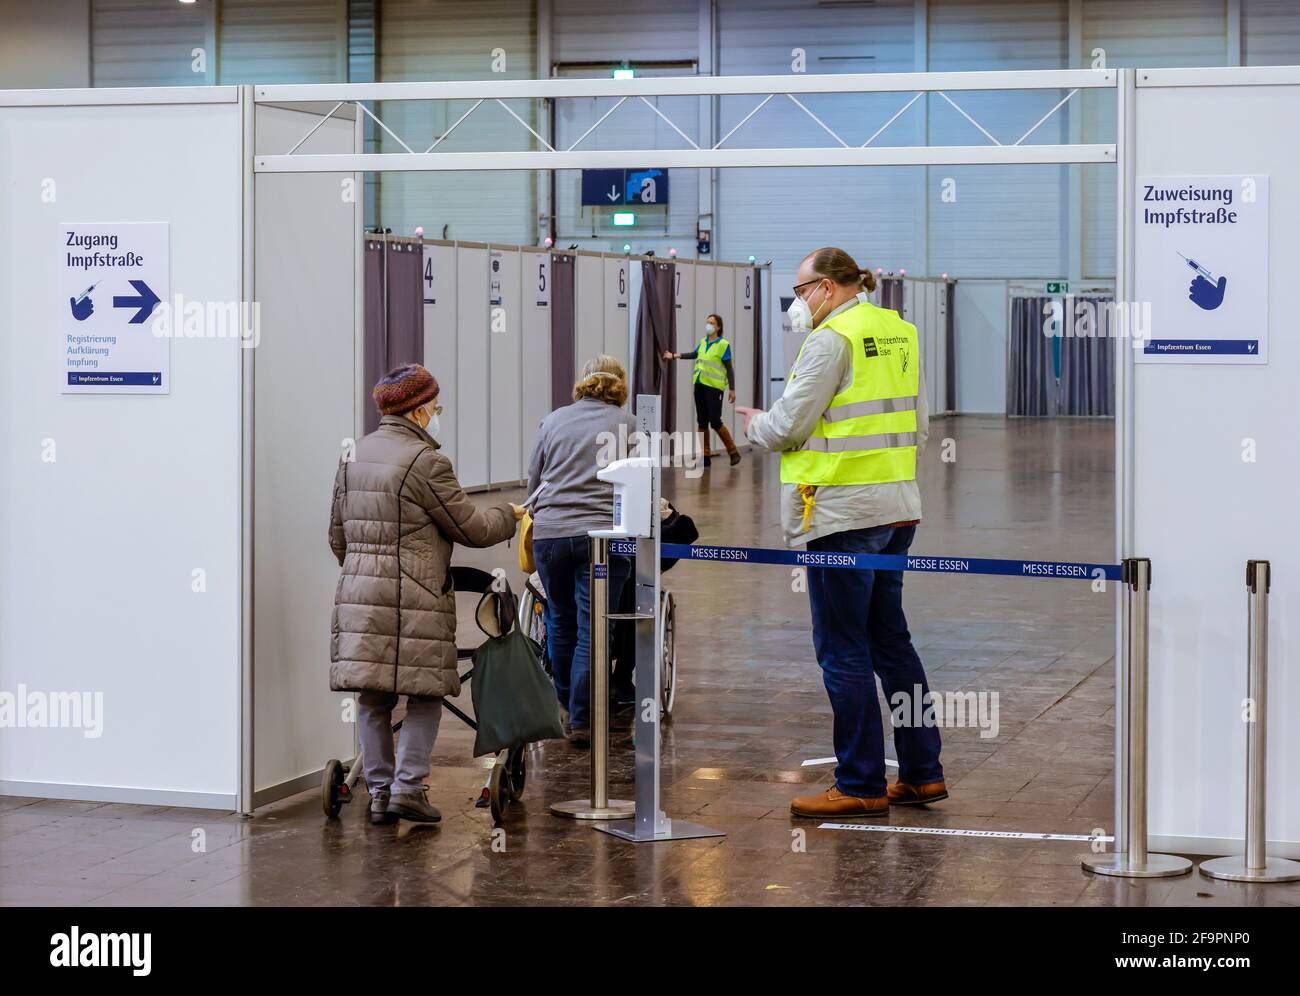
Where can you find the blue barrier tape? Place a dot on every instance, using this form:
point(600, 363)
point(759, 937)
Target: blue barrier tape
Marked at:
point(1067, 570)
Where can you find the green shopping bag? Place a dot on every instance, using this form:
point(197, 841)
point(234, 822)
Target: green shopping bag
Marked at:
point(514, 700)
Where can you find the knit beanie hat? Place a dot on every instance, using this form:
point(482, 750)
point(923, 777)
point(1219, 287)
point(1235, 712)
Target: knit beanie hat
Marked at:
point(404, 388)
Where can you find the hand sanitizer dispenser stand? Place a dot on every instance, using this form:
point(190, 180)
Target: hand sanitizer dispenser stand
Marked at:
point(636, 483)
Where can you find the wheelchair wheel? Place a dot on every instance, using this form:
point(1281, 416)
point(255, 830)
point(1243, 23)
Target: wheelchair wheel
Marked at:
point(668, 646)
point(516, 771)
point(499, 791)
point(532, 619)
point(333, 793)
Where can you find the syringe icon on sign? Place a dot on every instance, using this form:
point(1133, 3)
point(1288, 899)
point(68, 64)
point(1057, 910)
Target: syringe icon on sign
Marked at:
point(1205, 291)
point(82, 306)
point(1197, 267)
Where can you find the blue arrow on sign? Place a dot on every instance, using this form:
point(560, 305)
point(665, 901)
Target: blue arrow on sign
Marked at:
point(146, 302)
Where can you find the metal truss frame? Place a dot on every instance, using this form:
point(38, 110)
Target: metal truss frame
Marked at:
point(694, 155)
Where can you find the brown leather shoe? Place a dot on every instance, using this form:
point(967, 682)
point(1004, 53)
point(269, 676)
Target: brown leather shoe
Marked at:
point(833, 802)
point(902, 794)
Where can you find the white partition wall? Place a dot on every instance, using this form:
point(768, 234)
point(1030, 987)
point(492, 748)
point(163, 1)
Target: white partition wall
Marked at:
point(535, 392)
point(1214, 479)
point(743, 346)
point(472, 365)
point(306, 409)
point(440, 337)
point(724, 303)
point(120, 512)
point(688, 336)
point(588, 307)
point(617, 287)
point(505, 382)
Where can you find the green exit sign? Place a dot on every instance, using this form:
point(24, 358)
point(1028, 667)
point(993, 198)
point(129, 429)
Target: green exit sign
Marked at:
point(1058, 287)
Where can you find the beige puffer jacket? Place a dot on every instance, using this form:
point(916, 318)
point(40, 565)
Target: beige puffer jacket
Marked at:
point(397, 510)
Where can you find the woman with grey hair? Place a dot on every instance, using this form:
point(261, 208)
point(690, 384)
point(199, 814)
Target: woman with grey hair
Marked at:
point(572, 443)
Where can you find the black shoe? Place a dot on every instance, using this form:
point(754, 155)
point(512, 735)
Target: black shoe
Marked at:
point(735, 458)
point(580, 738)
point(622, 698)
point(708, 461)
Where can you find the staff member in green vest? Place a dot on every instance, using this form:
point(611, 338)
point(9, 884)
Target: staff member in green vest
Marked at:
point(848, 427)
point(713, 372)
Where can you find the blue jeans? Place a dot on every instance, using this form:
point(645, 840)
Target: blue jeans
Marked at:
point(859, 632)
point(564, 564)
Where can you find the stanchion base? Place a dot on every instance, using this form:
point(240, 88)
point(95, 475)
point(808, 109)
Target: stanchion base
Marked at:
point(1155, 866)
point(1233, 869)
point(673, 830)
point(582, 809)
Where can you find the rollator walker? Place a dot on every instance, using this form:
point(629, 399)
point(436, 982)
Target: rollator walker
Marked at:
point(509, 773)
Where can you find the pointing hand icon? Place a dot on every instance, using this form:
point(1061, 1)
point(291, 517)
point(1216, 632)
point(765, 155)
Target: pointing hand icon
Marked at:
point(81, 307)
point(1206, 295)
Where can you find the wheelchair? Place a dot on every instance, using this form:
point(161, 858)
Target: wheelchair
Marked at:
point(532, 619)
point(509, 773)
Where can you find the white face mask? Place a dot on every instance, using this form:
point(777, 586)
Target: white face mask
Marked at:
point(432, 427)
point(801, 315)
point(710, 330)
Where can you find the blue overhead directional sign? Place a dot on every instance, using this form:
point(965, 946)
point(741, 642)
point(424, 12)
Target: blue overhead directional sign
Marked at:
point(623, 187)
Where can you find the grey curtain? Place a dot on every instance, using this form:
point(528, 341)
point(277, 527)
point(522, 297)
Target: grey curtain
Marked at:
point(394, 310)
point(376, 345)
point(1031, 373)
point(656, 325)
point(1087, 358)
point(891, 293)
point(950, 348)
point(563, 363)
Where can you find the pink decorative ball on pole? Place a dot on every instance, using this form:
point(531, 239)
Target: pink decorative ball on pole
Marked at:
point(548, 242)
point(419, 231)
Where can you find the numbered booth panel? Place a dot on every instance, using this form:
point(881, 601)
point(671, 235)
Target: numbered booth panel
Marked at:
point(743, 345)
point(589, 308)
point(617, 324)
point(684, 302)
point(472, 366)
point(439, 289)
point(724, 304)
point(535, 388)
point(505, 380)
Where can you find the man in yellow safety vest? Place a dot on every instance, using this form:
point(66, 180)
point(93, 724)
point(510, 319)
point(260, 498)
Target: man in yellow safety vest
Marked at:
point(848, 427)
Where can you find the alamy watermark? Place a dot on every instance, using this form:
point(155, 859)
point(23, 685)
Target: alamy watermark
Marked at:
point(27, 708)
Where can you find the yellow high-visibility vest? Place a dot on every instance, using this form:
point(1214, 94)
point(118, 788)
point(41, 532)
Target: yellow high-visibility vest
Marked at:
point(709, 368)
point(868, 433)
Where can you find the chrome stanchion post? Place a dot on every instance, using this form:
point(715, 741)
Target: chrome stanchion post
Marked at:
point(599, 806)
point(1255, 865)
point(1135, 862)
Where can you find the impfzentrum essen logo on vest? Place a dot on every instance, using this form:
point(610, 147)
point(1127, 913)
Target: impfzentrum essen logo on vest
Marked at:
point(102, 950)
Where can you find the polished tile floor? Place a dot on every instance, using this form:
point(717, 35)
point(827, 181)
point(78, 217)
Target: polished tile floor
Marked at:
point(750, 710)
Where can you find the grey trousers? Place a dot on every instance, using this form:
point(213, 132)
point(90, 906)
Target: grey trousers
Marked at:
point(414, 744)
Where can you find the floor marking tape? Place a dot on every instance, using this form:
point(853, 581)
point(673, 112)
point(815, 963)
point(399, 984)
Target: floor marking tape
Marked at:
point(831, 760)
point(950, 832)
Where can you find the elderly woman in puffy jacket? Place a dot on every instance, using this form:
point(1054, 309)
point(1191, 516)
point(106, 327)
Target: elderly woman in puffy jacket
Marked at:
point(397, 511)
